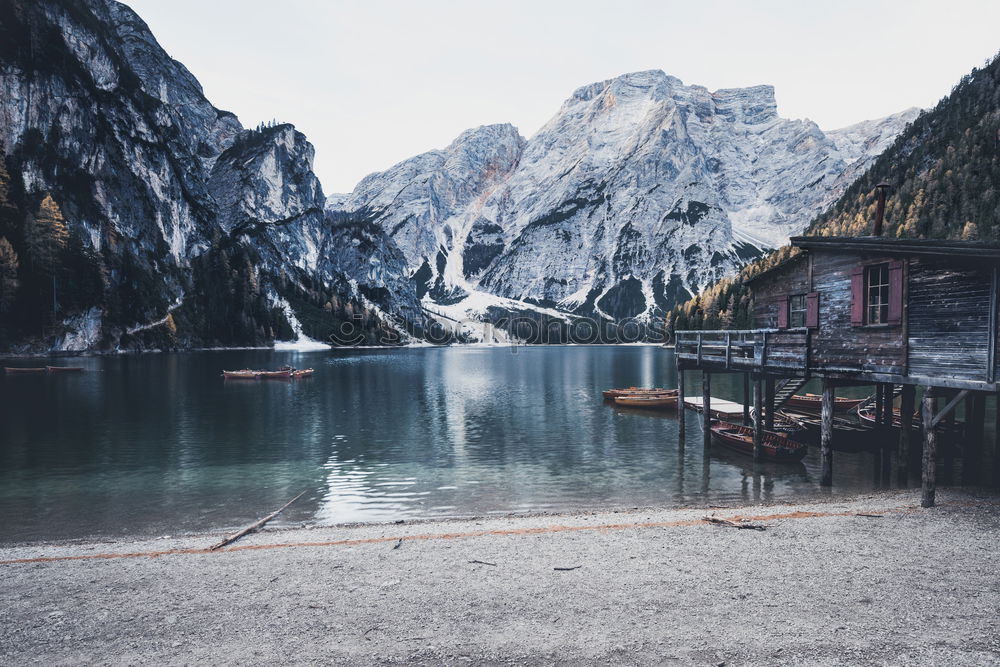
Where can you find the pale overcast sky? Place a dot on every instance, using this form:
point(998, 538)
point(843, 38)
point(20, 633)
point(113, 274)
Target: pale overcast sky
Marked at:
point(376, 81)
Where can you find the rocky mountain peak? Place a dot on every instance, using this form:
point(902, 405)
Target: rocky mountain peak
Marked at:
point(640, 191)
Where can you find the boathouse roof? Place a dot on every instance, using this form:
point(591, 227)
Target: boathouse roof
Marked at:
point(937, 247)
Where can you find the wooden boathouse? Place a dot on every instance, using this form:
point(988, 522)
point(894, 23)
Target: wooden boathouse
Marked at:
point(896, 314)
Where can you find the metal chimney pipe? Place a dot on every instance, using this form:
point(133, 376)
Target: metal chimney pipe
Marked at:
point(880, 211)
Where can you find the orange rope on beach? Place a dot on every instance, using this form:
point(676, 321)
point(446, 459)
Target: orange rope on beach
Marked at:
point(442, 536)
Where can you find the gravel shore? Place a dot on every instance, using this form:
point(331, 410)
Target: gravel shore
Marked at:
point(866, 580)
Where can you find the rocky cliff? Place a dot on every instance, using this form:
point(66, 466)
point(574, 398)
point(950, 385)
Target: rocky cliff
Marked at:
point(182, 228)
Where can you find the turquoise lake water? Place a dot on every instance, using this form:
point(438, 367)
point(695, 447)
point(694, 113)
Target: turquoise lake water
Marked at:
point(160, 444)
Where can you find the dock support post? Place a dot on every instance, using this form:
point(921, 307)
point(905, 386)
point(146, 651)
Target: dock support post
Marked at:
point(826, 435)
point(706, 407)
point(746, 399)
point(930, 449)
point(996, 443)
point(769, 403)
point(888, 404)
point(879, 404)
point(758, 416)
point(680, 407)
point(975, 422)
point(906, 408)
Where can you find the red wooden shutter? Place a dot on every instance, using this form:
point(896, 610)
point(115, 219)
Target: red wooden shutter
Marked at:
point(858, 296)
point(895, 292)
point(812, 310)
point(783, 313)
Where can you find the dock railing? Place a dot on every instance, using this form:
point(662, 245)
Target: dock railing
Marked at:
point(744, 349)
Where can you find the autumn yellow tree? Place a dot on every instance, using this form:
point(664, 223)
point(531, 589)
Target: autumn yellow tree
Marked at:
point(45, 235)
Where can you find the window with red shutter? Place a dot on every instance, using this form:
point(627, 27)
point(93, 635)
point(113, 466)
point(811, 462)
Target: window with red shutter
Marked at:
point(858, 296)
point(783, 313)
point(895, 293)
point(812, 310)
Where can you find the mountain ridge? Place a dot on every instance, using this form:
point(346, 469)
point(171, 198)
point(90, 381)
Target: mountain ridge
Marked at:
point(640, 191)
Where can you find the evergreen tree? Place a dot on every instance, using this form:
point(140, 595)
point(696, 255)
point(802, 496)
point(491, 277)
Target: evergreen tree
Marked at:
point(8, 275)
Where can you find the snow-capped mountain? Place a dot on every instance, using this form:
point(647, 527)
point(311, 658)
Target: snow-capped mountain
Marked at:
point(639, 192)
point(186, 228)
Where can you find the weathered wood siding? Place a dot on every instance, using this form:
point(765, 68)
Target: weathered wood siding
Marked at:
point(769, 292)
point(948, 315)
point(838, 344)
point(945, 329)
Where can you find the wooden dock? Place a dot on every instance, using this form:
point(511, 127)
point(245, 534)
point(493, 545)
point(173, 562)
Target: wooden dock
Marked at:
point(721, 408)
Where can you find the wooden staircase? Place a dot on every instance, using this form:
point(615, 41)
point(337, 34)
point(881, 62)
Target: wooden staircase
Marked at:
point(897, 389)
point(786, 389)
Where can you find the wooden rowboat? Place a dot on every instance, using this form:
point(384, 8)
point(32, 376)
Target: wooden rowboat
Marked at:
point(813, 402)
point(274, 375)
point(245, 374)
point(655, 401)
point(611, 394)
point(867, 416)
point(23, 370)
point(64, 369)
point(302, 372)
point(773, 446)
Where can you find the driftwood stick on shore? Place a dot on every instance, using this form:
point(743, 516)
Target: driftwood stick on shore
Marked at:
point(255, 526)
point(734, 524)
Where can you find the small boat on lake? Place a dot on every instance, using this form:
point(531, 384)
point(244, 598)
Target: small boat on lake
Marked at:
point(64, 369)
point(611, 394)
point(654, 401)
point(23, 370)
point(281, 374)
point(813, 403)
point(773, 446)
point(275, 375)
point(245, 374)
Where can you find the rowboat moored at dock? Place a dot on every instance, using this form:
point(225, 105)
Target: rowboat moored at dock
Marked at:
point(773, 446)
point(64, 369)
point(611, 394)
point(23, 370)
point(813, 402)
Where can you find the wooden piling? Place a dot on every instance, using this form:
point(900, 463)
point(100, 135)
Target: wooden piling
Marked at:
point(826, 435)
point(706, 404)
point(888, 404)
point(975, 436)
point(879, 404)
point(746, 399)
point(769, 403)
point(908, 399)
point(680, 406)
point(930, 449)
point(758, 416)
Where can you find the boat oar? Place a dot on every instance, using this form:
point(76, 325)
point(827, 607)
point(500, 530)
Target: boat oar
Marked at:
point(251, 528)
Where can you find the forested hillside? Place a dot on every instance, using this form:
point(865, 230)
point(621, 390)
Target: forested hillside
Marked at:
point(943, 173)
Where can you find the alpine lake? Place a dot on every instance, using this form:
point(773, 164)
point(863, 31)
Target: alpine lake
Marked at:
point(161, 444)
